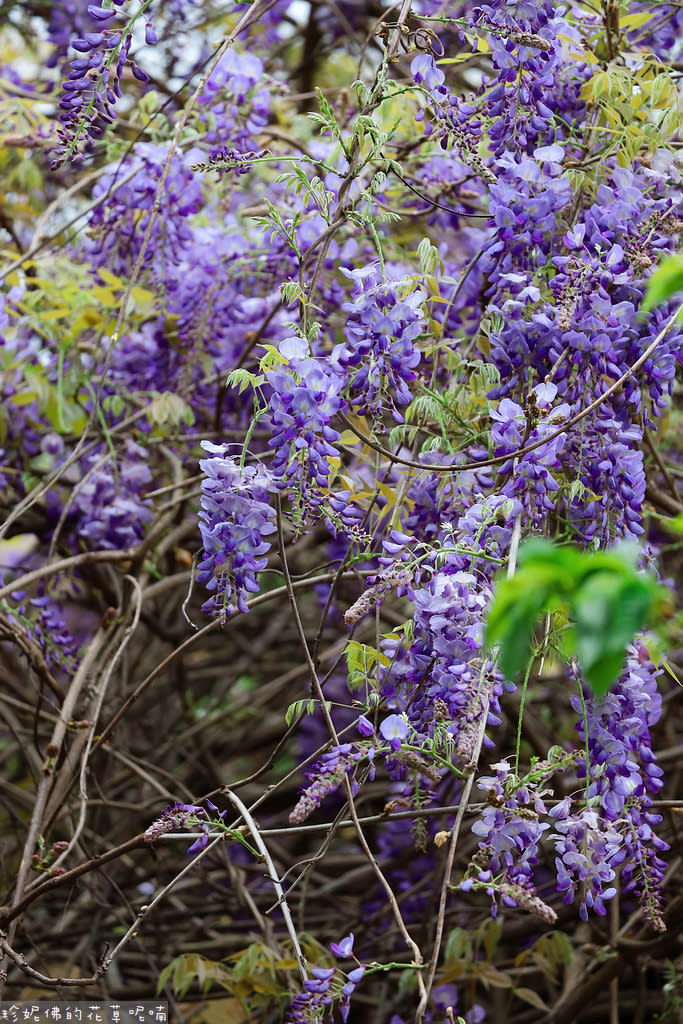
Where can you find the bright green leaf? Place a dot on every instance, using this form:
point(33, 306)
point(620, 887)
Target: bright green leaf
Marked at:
point(608, 600)
point(665, 282)
point(518, 603)
point(609, 609)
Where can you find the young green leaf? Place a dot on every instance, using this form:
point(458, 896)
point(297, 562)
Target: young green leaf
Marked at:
point(517, 604)
point(665, 282)
point(607, 598)
point(608, 610)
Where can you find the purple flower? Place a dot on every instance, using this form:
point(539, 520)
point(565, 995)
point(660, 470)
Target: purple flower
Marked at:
point(423, 69)
point(176, 816)
point(305, 397)
point(92, 87)
point(117, 224)
point(589, 850)
point(101, 13)
point(187, 817)
point(625, 773)
point(235, 104)
point(394, 729)
point(344, 948)
point(379, 357)
point(510, 826)
point(234, 518)
point(353, 977)
point(365, 727)
point(317, 994)
point(325, 777)
point(109, 501)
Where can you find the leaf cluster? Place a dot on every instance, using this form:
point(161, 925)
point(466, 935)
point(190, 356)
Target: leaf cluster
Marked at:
point(608, 600)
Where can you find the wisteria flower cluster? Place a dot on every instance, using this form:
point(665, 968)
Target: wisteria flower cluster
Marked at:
point(118, 222)
point(109, 500)
point(235, 517)
point(379, 355)
point(235, 104)
point(327, 776)
point(304, 399)
point(93, 85)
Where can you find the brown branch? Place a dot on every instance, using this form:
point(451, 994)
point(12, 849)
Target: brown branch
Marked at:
point(16, 635)
point(591, 984)
point(661, 499)
point(73, 562)
point(9, 914)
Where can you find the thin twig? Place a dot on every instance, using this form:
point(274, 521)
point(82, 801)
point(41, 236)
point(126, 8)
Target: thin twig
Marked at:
point(282, 900)
point(455, 833)
point(45, 784)
point(73, 562)
point(271, 595)
point(94, 715)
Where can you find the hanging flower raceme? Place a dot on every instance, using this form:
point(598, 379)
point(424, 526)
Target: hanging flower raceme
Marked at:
point(326, 776)
point(93, 84)
point(310, 1005)
point(379, 355)
point(529, 478)
point(304, 399)
point(118, 223)
point(624, 774)
point(510, 830)
point(234, 518)
point(235, 106)
point(451, 120)
point(589, 849)
point(109, 502)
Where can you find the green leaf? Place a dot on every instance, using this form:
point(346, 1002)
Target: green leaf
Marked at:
point(609, 609)
point(294, 710)
point(518, 603)
point(608, 600)
point(676, 524)
point(531, 997)
point(242, 379)
point(362, 660)
point(190, 968)
point(665, 282)
point(458, 944)
point(170, 408)
point(620, 559)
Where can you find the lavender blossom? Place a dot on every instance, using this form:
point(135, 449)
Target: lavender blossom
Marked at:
point(109, 503)
point(304, 399)
point(624, 774)
point(93, 85)
point(510, 828)
point(589, 850)
point(234, 518)
point(310, 1004)
point(326, 776)
point(379, 354)
point(235, 105)
point(118, 223)
point(176, 816)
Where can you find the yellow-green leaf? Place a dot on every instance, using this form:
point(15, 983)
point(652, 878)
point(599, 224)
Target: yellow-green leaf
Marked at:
point(531, 997)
